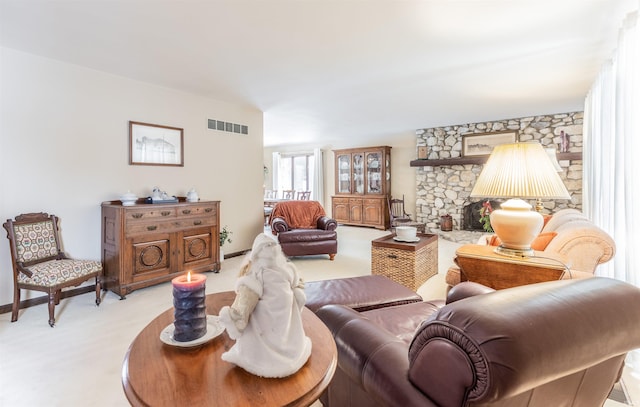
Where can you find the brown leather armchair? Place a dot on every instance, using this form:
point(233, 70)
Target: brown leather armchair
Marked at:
point(547, 344)
point(303, 229)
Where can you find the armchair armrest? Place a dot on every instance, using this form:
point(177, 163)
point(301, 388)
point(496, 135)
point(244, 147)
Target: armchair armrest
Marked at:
point(326, 223)
point(466, 289)
point(279, 225)
point(372, 357)
point(560, 322)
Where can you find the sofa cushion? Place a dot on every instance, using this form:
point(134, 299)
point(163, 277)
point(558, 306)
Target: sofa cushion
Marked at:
point(306, 235)
point(403, 320)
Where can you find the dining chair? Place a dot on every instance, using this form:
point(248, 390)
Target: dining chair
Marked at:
point(303, 195)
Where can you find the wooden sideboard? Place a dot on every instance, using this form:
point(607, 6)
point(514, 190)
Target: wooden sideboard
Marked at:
point(146, 244)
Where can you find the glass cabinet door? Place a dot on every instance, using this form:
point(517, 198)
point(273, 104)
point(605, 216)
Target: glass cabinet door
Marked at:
point(374, 173)
point(387, 169)
point(344, 173)
point(358, 173)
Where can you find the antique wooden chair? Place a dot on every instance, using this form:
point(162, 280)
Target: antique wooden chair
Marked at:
point(397, 214)
point(303, 195)
point(39, 264)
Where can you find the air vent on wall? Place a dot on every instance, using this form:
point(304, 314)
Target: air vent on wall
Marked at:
point(227, 126)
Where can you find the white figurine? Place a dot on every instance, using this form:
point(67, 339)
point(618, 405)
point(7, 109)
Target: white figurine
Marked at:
point(265, 319)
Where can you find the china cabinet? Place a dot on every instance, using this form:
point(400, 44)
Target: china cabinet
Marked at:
point(146, 244)
point(363, 184)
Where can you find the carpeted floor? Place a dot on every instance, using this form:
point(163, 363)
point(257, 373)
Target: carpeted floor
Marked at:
point(79, 362)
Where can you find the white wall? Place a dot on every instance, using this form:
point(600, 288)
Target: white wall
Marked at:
point(64, 149)
point(403, 176)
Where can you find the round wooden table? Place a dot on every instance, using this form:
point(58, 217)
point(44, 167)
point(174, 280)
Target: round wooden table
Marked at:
point(157, 374)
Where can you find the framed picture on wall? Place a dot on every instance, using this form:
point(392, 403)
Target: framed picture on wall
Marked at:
point(153, 144)
point(482, 143)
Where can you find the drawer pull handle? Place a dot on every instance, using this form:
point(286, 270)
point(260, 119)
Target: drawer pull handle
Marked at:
point(153, 227)
point(186, 211)
point(165, 213)
point(207, 210)
point(197, 222)
point(392, 256)
point(136, 215)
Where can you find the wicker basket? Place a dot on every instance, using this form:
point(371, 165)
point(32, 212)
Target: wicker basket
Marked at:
point(410, 264)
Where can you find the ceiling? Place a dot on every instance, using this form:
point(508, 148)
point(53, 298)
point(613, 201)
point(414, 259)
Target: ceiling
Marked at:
point(341, 72)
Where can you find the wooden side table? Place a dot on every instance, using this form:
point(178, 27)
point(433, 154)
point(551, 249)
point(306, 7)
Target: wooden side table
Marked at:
point(482, 265)
point(409, 264)
point(156, 374)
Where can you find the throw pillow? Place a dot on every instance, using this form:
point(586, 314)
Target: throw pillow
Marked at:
point(542, 240)
point(539, 243)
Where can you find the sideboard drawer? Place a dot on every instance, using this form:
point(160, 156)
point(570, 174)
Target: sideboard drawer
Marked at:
point(197, 210)
point(144, 214)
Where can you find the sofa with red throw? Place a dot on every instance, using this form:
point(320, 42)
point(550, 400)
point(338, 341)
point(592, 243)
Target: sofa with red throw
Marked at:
point(304, 229)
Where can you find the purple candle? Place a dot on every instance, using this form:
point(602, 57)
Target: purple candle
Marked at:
point(189, 309)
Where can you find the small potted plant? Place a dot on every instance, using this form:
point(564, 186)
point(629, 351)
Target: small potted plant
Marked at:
point(485, 213)
point(224, 238)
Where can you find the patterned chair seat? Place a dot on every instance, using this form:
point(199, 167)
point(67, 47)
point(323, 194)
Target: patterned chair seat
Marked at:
point(54, 272)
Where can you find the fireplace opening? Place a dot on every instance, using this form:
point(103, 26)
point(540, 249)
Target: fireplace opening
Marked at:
point(471, 214)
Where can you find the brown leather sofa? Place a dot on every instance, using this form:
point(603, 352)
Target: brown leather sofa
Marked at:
point(559, 343)
point(303, 229)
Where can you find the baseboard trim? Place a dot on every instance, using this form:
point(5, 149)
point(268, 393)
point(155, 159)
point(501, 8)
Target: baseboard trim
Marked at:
point(75, 291)
point(45, 298)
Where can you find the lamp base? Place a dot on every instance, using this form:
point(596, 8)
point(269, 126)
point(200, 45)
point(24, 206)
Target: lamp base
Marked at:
point(505, 251)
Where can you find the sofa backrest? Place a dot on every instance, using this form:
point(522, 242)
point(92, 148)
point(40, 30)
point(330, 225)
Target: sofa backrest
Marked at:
point(555, 343)
point(299, 214)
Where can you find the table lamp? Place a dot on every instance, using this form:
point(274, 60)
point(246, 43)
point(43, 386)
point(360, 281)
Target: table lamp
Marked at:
point(516, 171)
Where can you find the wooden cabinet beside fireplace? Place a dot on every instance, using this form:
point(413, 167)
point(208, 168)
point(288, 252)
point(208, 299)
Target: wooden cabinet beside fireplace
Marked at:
point(146, 244)
point(363, 184)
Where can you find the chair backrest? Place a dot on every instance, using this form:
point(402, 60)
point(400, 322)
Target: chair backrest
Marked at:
point(299, 214)
point(303, 195)
point(288, 194)
point(33, 237)
point(396, 209)
point(270, 194)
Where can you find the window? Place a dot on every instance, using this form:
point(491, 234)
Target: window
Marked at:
point(295, 171)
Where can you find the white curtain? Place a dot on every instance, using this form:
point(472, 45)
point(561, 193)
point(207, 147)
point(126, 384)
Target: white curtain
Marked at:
point(611, 192)
point(318, 177)
point(275, 170)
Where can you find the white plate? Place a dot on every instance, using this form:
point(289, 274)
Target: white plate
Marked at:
point(409, 240)
point(213, 329)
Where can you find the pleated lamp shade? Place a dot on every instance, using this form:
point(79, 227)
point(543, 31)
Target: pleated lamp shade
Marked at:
point(518, 170)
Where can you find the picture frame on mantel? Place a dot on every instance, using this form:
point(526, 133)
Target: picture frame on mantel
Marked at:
point(154, 144)
point(481, 144)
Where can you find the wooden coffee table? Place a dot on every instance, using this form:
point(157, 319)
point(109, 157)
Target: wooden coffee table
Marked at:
point(157, 374)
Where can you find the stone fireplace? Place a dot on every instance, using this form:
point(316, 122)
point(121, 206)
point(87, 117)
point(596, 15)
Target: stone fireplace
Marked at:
point(471, 214)
point(445, 189)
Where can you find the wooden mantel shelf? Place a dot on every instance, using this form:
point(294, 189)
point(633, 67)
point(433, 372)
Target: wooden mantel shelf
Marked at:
point(478, 160)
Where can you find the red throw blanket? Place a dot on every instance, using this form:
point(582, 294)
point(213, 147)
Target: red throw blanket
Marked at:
point(299, 214)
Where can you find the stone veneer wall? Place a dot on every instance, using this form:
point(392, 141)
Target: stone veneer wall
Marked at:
point(445, 189)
